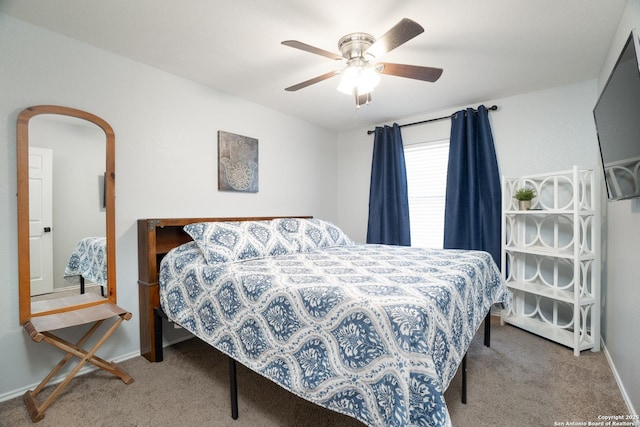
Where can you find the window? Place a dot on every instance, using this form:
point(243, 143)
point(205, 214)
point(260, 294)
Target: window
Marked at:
point(426, 165)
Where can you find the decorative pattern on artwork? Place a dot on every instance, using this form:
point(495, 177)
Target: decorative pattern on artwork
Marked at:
point(371, 331)
point(237, 163)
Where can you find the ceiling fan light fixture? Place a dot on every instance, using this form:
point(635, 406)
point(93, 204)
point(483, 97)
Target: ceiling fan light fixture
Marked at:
point(360, 51)
point(358, 77)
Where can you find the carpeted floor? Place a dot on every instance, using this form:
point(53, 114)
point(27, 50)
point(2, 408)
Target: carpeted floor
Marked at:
point(521, 380)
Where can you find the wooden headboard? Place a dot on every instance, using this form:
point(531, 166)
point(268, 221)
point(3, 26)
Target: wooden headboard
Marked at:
point(155, 238)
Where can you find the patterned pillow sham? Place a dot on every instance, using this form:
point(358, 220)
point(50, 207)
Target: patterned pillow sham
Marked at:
point(238, 241)
point(310, 234)
point(245, 240)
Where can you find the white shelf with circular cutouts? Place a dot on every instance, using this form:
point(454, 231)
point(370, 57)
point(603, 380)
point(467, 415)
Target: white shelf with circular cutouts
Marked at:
point(551, 257)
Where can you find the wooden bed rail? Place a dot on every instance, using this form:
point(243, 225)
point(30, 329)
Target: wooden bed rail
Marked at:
point(156, 237)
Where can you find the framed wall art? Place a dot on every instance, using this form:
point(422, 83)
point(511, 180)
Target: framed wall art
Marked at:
point(237, 163)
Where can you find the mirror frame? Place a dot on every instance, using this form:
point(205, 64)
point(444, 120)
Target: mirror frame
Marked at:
point(24, 264)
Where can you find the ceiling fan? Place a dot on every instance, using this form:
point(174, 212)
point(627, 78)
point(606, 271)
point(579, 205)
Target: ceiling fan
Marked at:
point(360, 52)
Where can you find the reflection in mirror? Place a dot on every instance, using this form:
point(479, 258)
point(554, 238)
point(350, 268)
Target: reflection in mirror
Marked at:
point(66, 168)
point(65, 210)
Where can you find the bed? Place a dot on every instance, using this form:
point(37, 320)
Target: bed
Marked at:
point(88, 261)
point(371, 331)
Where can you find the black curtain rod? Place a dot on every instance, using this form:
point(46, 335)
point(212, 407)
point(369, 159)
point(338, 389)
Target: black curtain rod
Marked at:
point(492, 108)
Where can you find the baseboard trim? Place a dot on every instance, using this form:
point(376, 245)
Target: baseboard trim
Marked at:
point(623, 391)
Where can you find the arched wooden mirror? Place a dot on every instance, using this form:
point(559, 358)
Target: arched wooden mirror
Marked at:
point(66, 210)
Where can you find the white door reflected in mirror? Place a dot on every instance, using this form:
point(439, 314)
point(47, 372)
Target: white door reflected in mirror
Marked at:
point(40, 220)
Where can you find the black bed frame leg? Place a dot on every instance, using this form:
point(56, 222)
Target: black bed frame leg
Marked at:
point(487, 342)
point(464, 379)
point(234, 388)
point(158, 315)
point(487, 329)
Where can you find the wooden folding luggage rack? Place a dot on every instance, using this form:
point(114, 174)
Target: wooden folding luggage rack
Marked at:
point(40, 327)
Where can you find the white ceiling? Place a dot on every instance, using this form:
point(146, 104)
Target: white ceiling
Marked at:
point(488, 49)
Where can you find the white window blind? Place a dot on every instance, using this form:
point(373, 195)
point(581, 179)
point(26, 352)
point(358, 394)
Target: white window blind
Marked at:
point(426, 165)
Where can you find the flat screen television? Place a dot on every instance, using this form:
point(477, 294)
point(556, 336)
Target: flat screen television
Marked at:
point(617, 117)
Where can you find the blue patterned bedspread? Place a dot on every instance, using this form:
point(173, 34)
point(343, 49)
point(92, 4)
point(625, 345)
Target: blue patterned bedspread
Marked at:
point(371, 331)
point(89, 260)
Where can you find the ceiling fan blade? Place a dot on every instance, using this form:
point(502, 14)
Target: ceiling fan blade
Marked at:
point(428, 74)
point(312, 49)
point(311, 81)
point(399, 34)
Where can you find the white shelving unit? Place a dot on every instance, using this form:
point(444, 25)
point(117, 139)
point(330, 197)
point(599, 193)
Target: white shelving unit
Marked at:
point(551, 257)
